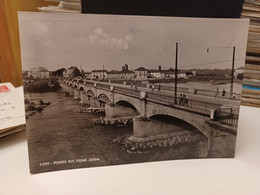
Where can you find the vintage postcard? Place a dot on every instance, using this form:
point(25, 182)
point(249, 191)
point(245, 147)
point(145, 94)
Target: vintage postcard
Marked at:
point(108, 90)
point(11, 107)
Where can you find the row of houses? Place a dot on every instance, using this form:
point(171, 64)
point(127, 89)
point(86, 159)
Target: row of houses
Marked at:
point(140, 73)
point(37, 73)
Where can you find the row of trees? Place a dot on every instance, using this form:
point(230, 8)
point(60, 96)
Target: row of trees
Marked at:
point(59, 72)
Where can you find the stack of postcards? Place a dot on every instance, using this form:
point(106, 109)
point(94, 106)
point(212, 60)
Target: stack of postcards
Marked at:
point(251, 87)
point(64, 6)
point(11, 130)
point(12, 115)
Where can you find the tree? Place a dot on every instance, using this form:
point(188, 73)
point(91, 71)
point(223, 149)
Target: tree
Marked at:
point(76, 72)
point(59, 72)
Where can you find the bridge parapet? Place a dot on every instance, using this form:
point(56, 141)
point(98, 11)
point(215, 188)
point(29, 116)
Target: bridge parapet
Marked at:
point(196, 105)
point(226, 116)
point(103, 86)
point(192, 102)
point(127, 91)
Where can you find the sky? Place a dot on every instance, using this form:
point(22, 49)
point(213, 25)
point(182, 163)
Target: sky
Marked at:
point(90, 41)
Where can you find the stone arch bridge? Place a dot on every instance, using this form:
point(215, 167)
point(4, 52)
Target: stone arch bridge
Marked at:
point(143, 104)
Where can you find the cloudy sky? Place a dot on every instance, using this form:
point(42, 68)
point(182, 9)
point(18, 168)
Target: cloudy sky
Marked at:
point(90, 41)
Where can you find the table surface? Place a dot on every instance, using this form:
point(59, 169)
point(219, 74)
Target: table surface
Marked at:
point(240, 175)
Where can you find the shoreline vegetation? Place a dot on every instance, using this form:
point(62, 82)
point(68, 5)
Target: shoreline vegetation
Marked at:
point(42, 86)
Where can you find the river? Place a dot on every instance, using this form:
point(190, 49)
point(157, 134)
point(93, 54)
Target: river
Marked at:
point(62, 138)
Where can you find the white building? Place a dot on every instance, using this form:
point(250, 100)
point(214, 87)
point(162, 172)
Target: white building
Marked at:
point(87, 75)
point(168, 74)
point(181, 74)
point(99, 74)
point(38, 73)
point(238, 71)
point(155, 74)
point(141, 73)
point(121, 75)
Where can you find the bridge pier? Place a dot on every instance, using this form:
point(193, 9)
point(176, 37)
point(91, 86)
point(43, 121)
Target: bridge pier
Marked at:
point(83, 97)
point(76, 94)
point(221, 142)
point(93, 102)
point(71, 91)
point(144, 127)
point(143, 108)
point(66, 88)
point(115, 111)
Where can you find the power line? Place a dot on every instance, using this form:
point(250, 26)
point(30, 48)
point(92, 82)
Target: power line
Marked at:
point(203, 47)
point(211, 63)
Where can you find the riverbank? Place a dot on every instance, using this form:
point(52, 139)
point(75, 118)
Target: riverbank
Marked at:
point(42, 86)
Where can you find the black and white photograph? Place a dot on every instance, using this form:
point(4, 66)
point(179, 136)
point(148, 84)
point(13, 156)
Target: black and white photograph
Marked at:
point(104, 90)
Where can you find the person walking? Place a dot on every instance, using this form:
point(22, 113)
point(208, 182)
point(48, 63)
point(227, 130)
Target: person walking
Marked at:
point(223, 93)
point(159, 87)
point(181, 99)
point(184, 99)
point(153, 87)
point(217, 93)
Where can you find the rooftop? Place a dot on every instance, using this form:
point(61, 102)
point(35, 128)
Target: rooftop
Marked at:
point(141, 69)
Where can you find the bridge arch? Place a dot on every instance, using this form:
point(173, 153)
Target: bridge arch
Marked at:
point(104, 98)
point(179, 123)
point(136, 103)
point(196, 120)
point(90, 93)
point(126, 104)
point(81, 89)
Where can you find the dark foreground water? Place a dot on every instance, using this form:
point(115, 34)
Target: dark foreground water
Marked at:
point(62, 138)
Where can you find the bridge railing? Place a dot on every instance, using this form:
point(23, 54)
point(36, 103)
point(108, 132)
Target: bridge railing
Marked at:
point(210, 93)
point(226, 116)
point(197, 105)
point(103, 86)
point(160, 98)
point(170, 88)
point(203, 92)
point(132, 92)
point(89, 83)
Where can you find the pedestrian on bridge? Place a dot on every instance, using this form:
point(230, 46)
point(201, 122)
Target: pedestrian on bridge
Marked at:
point(217, 93)
point(181, 99)
point(185, 100)
point(159, 87)
point(223, 93)
point(153, 87)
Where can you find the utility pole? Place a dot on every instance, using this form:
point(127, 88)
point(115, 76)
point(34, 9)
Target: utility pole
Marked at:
point(103, 72)
point(232, 71)
point(176, 69)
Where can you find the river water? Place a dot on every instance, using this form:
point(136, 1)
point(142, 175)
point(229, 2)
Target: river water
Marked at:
point(62, 138)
